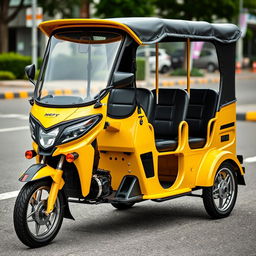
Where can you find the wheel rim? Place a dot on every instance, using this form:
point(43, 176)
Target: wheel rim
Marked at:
point(39, 224)
point(223, 189)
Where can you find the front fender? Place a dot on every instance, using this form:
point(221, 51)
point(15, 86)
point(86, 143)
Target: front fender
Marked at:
point(210, 165)
point(40, 171)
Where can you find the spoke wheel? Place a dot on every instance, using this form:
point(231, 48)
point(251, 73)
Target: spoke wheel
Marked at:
point(33, 227)
point(219, 200)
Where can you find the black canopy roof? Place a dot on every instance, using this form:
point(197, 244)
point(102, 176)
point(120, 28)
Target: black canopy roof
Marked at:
point(153, 30)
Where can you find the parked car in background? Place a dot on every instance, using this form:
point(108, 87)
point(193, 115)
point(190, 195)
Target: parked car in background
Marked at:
point(164, 59)
point(177, 58)
point(207, 60)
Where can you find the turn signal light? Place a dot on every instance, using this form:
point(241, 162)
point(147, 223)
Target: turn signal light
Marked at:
point(71, 157)
point(30, 154)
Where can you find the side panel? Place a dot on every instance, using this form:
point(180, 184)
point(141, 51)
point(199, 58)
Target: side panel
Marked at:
point(84, 163)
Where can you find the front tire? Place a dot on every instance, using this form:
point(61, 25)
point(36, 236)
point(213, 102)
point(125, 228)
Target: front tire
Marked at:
point(219, 200)
point(32, 226)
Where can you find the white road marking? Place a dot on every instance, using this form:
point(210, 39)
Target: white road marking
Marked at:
point(250, 159)
point(12, 129)
point(9, 195)
point(15, 116)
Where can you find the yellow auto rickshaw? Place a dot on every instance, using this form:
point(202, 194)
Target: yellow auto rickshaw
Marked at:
point(98, 138)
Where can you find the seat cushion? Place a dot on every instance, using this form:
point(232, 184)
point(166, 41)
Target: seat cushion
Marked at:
point(196, 142)
point(166, 145)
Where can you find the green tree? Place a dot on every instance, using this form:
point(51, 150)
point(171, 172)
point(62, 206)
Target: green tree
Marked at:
point(65, 7)
point(207, 10)
point(124, 8)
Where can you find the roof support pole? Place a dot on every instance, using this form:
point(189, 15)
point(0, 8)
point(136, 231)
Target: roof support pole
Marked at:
point(156, 72)
point(188, 65)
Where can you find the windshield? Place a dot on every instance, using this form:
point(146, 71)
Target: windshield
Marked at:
point(77, 66)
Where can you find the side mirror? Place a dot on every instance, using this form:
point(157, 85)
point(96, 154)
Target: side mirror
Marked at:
point(122, 79)
point(30, 71)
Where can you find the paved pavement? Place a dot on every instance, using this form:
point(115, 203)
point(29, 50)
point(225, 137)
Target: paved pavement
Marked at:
point(176, 227)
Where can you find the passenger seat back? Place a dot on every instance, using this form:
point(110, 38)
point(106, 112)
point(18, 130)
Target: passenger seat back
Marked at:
point(202, 107)
point(122, 102)
point(169, 112)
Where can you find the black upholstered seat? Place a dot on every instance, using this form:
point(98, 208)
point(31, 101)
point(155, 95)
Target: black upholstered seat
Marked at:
point(168, 113)
point(166, 145)
point(202, 107)
point(146, 100)
point(122, 102)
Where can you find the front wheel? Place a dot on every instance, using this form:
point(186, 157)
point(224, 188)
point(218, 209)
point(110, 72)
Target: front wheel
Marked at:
point(219, 200)
point(33, 227)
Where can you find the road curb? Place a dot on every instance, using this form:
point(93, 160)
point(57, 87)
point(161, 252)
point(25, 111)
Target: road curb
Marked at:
point(192, 81)
point(165, 83)
point(15, 95)
point(246, 116)
point(26, 94)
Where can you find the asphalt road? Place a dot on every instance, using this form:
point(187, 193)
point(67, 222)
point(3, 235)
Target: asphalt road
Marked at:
point(176, 227)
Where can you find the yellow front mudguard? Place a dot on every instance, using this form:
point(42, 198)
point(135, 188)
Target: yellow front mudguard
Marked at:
point(40, 171)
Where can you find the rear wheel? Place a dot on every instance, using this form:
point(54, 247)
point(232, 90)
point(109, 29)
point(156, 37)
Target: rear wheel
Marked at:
point(219, 200)
point(33, 227)
point(122, 206)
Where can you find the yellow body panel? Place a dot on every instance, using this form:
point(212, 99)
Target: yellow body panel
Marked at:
point(196, 167)
point(122, 142)
point(82, 146)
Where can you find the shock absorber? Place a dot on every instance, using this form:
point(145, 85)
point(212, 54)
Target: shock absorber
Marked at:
point(55, 186)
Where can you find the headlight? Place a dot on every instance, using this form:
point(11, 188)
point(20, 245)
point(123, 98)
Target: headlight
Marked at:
point(47, 139)
point(77, 130)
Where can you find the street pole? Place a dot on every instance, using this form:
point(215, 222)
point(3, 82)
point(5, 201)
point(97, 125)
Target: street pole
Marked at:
point(147, 65)
point(240, 42)
point(34, 33)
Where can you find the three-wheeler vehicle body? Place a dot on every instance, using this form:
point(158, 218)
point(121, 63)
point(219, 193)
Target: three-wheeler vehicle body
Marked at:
point(98, 138)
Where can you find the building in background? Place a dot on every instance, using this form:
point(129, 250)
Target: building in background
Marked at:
point(20, 32)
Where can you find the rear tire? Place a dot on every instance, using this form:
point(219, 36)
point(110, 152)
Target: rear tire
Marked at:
point(32, 226)
point(122, 206)
point(219, 200)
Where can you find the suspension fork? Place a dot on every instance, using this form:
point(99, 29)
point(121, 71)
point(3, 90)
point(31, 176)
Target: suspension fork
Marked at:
point(57, 184)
